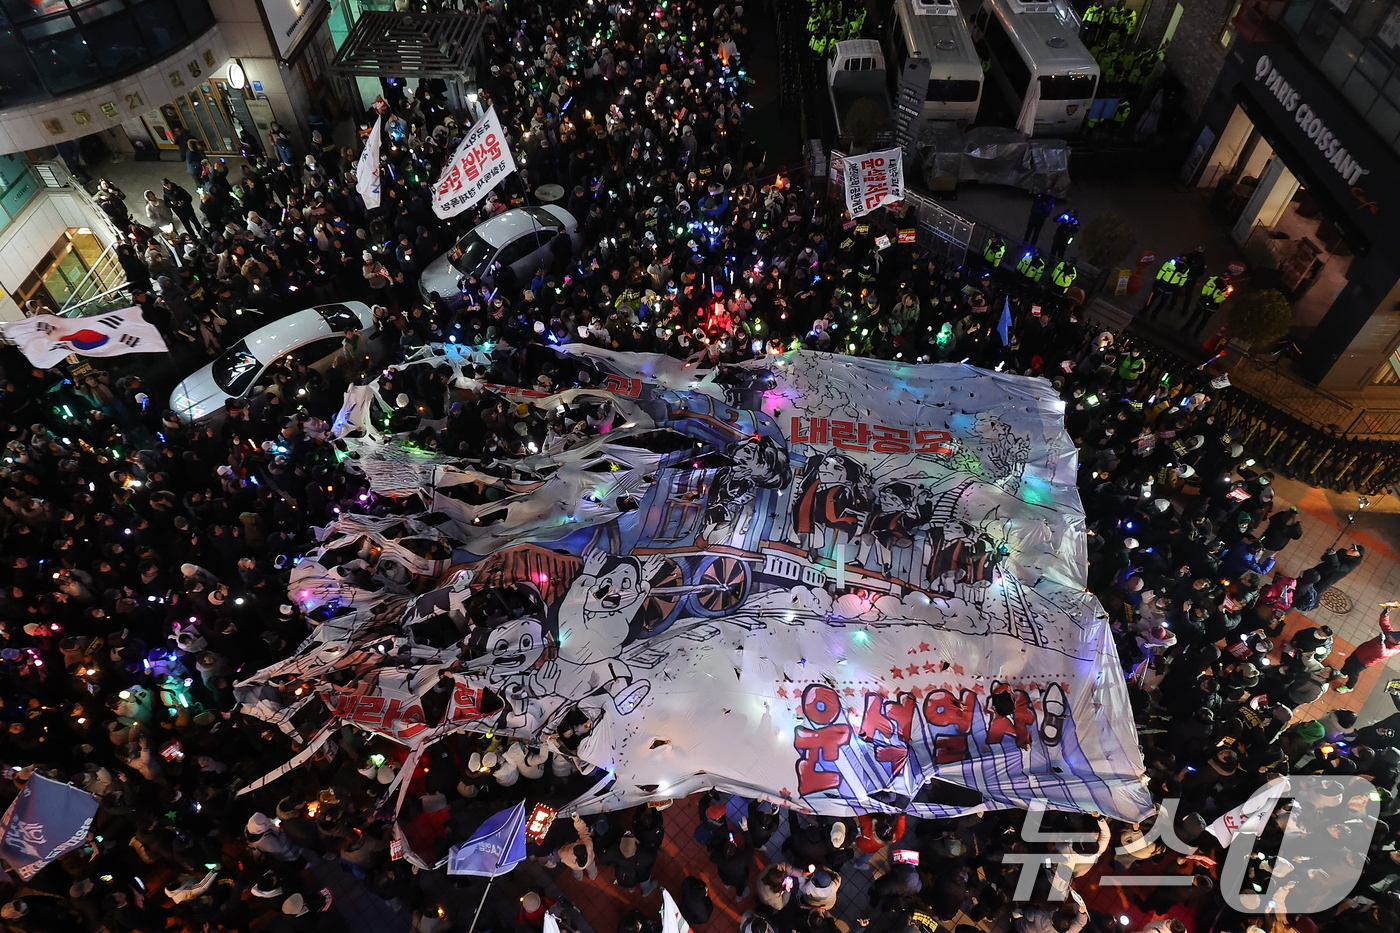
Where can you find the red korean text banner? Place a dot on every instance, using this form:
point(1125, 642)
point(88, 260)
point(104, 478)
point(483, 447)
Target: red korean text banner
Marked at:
point(873, 180)
point(481, 162)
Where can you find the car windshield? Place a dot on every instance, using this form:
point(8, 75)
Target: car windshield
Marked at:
point(1066, 87)
point(541, 216)
point(471, 255)
point(339, 318)
point(236, 369)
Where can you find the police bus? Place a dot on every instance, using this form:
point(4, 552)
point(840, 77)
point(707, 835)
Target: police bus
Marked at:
point(1038, 63)
point(935, 30)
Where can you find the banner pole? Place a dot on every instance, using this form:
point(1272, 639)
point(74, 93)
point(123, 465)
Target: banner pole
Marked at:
point(489, 882)
point(482, 903)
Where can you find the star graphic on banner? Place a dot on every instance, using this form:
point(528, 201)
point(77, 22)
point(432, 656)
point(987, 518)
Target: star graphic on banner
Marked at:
point(958, 669)
point(782, 692)
point(785, 792)
point(916, 693)
point(913, 670)
point(923, 646)
point(896, 673)
point(849, 691)
point(978, 688)
point(930, 668)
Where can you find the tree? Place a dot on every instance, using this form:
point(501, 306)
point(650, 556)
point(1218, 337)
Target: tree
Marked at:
point(1260, 317)
point(864, 121)
point(1103, 241)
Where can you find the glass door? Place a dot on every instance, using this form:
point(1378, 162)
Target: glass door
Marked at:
point(205, 113)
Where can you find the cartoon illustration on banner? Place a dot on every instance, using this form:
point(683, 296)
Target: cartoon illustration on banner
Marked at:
point(847, 585)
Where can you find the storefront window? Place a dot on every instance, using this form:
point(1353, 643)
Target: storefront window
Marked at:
point(19, 82)
point(161, 26)
point(65, 63)
point(1315, 38)
point(1296, 15)
point(56, 47)
point(1340, 58)
point(345, 13)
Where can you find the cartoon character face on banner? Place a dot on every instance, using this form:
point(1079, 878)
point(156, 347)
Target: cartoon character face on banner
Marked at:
point(843, 582)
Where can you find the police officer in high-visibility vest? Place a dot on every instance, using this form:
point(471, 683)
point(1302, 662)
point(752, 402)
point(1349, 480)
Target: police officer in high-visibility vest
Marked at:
point(1171, 278)
point(1213, 295)
point(1063, 276)
point(993, 251)
point(1032, 266)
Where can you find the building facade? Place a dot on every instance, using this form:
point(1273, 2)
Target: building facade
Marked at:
point(135, 79)
point(1299, 140)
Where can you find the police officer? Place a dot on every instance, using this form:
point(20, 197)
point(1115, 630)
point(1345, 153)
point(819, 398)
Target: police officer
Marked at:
point(1213, 295)
point(1063, 276)
point(993, 251)
point(1171, 278)
point(1031, 266)
point(1041, 209)
point(1066, 230)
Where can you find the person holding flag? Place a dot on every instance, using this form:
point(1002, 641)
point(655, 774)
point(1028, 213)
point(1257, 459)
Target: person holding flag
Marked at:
point(367, 170)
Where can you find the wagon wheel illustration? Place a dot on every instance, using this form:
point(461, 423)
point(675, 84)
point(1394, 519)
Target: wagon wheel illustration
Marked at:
point(667, 591)
point(721, 584)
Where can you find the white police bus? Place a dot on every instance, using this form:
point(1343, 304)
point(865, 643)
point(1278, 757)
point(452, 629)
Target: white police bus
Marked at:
point(936, 30)
point(1038, 63)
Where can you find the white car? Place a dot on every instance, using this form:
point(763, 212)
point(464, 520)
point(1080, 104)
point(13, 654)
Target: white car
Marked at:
point(518, 238)
point(315, 333)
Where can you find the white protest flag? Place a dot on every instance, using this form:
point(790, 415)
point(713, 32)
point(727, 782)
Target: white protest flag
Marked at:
point(45, 339)
point(671, 919)
point(480, 163)
point(367, 169)
point(873, 180)
point(1252, 815)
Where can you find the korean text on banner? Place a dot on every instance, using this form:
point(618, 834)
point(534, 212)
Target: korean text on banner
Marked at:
point(873, 180)
point(45, 339)
point(46, 820)
point(367, 169)
point(480, 163)
point(495, 848)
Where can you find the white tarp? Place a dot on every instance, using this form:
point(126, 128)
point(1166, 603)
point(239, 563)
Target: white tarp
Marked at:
point(873, 180)
point(45, 339)
point(481, 162)
point(848, 586)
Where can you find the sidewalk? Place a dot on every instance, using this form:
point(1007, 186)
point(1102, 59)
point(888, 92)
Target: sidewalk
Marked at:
point(1352, 607)
point(1168, 220)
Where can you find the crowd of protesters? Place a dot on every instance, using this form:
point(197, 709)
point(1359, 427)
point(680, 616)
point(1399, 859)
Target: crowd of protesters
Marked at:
point(145, 561)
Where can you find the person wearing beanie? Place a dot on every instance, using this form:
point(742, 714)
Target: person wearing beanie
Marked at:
point(714, 825)
point(577, 856)
point(694, 903)
point(532, 909)
point(265, 836)
point(733, 863)
point(1369, 653)
point(631, 863)
point(819, 889)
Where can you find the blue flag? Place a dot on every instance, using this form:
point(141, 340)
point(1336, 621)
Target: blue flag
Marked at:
point(495, 848)
point(46, 820)
point(1004, 325)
